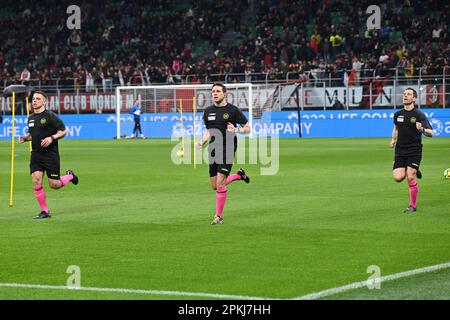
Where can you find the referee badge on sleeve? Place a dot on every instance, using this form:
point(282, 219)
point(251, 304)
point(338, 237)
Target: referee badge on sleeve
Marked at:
point(400, 119)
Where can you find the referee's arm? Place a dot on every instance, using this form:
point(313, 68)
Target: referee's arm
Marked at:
point(243, 129)
point(204, 139)
point(426, 131)
point(394, 136)
point(58, 135)
point(24, 138)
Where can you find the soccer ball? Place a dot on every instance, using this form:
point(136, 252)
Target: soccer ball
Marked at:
point(447, 173)
point(180, 153)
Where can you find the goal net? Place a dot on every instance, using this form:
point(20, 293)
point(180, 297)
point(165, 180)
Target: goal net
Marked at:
point(169, 109)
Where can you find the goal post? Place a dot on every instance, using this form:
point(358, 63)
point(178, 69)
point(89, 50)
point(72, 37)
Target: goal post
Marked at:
point(161, 105)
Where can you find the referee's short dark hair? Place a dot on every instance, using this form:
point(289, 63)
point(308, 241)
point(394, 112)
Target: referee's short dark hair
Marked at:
point(218, 84)
point(414, 91)
point(40, 92)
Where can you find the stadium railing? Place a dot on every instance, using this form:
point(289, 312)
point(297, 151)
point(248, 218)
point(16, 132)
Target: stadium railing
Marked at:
point(433, 90)
point(311, 76)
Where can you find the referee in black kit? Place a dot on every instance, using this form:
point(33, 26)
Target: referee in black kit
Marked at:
point(45, 128)
point(221, 120)
point(409, 125)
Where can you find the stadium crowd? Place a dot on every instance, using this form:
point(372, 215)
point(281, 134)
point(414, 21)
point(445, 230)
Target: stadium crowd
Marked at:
point(143, 42)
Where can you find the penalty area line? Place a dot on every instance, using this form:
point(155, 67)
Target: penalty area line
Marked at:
point(361, 284)
point(133, 291)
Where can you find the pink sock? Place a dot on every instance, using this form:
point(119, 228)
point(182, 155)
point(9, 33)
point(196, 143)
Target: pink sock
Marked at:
point(65, 179)
point(221, 197)
point(413, 190)
point(40, 197)
point(232, 177)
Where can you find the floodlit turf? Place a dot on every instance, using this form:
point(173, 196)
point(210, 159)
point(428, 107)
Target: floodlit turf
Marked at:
point(137, 221)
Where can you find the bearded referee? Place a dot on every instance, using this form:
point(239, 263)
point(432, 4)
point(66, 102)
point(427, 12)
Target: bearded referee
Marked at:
point(44, 131)
point(221, 120)
point(409, 125)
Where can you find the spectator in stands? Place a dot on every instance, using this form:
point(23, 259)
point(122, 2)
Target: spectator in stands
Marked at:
point(89, 81)
point(25, 76)
point(356, 66)
point(115, 34)
point(336, 44)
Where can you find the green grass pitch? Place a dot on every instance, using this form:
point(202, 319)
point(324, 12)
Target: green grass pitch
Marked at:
point(137, 221)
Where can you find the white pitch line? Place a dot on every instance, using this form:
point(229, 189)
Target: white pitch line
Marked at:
point(311, 296)
point(136, 291)
point(361, 284)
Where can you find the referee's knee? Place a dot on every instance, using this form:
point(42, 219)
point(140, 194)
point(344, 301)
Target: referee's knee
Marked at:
point(55, 184)
point(399, 178)
point(37, 183)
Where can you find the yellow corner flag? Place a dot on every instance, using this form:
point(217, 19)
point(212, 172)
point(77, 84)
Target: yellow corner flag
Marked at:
point(11, 191)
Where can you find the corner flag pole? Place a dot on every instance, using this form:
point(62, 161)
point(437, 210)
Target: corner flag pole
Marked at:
point(194, 106)
point(28, 115)
point(298, 112)
point(13, 114)
point(182, 127)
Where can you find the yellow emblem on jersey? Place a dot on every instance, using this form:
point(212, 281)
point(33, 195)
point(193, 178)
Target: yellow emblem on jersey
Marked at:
point(226, 116)
point(43, 121)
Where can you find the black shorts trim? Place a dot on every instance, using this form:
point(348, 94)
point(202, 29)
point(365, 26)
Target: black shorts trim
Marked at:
point(46, 162)
point(220, 168)
point(223, 162)
point(404, 161)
